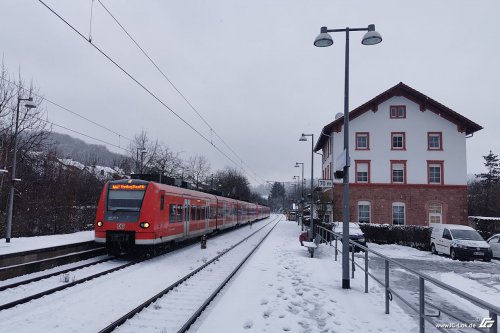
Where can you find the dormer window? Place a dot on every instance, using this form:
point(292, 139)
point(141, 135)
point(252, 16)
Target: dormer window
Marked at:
point(398, 111)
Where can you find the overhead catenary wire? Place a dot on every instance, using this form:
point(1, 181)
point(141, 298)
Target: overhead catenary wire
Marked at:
point(140, 84)
point(212, 130)
point(72, 130)
point(68, 110)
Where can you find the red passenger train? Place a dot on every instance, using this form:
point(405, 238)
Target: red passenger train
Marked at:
point(138, 213)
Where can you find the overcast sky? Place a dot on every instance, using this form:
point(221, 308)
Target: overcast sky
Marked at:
point(251, 70)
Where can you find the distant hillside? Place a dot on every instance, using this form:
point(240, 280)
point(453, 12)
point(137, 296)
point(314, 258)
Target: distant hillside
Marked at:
point(80, 151)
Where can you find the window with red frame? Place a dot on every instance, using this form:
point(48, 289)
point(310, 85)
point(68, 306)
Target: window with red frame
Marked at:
point(362, 141)
point(434, 141)
point(398, 172)
point(435, 172)
point(362, 171)
point(398, 141)
point(397, 111)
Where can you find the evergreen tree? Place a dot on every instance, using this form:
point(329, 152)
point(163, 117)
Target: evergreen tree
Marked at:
point(492, 164)
point(485, 195)
point(277, 197)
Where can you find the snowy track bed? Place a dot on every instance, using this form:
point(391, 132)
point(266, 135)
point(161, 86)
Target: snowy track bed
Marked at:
point(93, 305)
point(178, 306)
point(26, 291)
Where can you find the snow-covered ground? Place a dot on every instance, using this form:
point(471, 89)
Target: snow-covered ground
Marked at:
point(32, 243)
point(280, 289)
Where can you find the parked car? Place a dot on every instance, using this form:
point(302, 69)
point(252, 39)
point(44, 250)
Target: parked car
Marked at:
point(355, 234)
point(494, 243)
point(459, 242)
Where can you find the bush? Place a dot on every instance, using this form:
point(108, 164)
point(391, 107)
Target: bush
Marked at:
point(408, 235)
point(486, 226)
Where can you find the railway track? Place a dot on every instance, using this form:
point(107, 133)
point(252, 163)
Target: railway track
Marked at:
point(177, 307)
point(110, 296)
point(67, 282)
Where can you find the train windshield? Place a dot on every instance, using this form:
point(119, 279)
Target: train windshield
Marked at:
point(125, 200)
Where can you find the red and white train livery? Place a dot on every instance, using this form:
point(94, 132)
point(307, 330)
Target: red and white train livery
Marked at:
point(140, 213)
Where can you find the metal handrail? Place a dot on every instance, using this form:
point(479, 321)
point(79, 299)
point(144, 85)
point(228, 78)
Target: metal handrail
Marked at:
point(494, 311)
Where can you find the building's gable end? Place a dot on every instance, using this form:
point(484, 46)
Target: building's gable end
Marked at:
point(425, 103)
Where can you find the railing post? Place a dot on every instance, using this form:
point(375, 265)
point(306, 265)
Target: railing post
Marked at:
point(422, 304)
point(352, 259)
point(366, 271)
point(494, 317)
point(336, 248)
point(386, 286)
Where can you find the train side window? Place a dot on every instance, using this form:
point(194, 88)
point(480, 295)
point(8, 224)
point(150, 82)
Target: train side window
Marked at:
point(199, 213)
point(193, 213)
point(172, 213)
point(203, 213)
point(179, 213)
point(162, 202)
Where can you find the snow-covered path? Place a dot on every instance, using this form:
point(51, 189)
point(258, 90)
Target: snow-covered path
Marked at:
point(282, 289)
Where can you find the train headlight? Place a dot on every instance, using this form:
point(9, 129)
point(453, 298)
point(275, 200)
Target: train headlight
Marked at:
point(144, 225)
point(99, 223)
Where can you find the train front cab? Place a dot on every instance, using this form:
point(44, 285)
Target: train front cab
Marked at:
point(119, 214)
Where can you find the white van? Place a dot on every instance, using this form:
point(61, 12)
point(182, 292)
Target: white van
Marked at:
point(459, 242)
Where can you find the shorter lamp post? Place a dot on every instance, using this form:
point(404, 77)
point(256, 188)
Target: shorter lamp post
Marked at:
point(301, 200)
point(142, 160)
point(311, 216)
point(29, 105)
point(297, 194)
point(300, 164)
point(142, 150)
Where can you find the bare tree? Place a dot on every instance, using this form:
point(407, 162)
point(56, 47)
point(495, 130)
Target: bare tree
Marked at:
point(143, 152)
point(32, 129)
point(167, 162)
point(198, 170)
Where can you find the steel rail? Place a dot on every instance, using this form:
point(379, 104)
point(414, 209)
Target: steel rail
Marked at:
point(68, 285)
point(197, 313)
point(111, 327)
point(46, 276)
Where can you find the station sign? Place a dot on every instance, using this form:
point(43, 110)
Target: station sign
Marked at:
point(325, 183)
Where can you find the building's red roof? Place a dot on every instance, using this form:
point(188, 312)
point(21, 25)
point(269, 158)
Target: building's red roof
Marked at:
point(401, 89)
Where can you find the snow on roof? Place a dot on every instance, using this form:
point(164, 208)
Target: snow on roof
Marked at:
point(100, 172)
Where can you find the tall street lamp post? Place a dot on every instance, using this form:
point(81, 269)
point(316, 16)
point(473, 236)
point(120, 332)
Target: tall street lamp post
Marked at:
point(29, 105)
point(303, 138)
point(324, 39)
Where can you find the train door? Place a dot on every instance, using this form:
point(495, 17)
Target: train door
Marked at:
point(187, 203)
point(207, 214)
point(238, 213)
point(224, 213)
